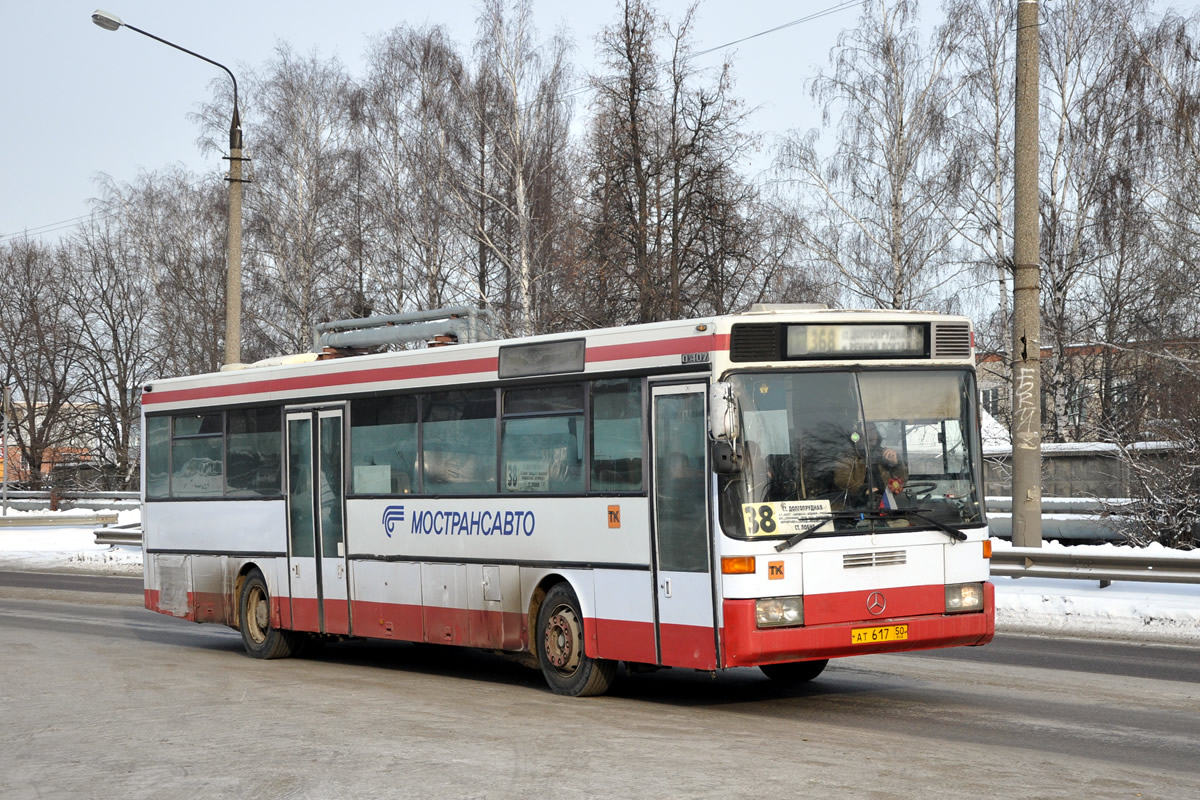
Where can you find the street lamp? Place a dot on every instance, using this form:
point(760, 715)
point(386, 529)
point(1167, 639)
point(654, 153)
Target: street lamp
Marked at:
point(233, 271)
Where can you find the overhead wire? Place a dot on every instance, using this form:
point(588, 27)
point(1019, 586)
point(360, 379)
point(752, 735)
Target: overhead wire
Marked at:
point(825, 12)
point(49, 227)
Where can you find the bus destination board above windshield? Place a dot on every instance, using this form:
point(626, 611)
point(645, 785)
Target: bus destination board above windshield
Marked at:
point(822, 341)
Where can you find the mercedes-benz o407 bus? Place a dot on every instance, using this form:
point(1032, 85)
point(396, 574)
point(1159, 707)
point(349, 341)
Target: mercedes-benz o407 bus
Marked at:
point(768, 489)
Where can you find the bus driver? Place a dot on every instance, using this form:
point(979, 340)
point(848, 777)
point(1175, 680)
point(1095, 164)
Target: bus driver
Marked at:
point(871, 472)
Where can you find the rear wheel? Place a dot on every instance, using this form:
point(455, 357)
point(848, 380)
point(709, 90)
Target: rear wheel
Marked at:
point(254, 615)
point(796, 671)
point(567, 668)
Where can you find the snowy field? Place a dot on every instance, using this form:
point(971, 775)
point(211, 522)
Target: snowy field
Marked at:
point(1137, 611)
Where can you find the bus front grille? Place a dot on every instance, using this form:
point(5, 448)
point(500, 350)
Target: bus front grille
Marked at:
point(889, 558)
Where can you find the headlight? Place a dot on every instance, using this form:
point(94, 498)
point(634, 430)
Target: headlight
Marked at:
point(773, 612)
point(964, 597)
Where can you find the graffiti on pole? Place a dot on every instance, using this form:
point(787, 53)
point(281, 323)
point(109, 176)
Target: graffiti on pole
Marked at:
point(1027, 420)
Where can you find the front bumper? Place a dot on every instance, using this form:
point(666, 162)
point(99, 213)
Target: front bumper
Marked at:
point(744, 644)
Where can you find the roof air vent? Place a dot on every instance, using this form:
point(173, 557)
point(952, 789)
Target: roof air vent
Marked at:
point(951, 340)
point(754, 343)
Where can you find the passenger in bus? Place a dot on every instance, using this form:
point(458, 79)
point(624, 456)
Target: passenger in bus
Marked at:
point(870, 472)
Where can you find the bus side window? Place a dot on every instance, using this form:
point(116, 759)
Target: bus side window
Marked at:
point(197, 460)
point(541, 446)
point(383, 444)
point(459, 430)
point(617, 435)
point(158, 457)
point(253, 447)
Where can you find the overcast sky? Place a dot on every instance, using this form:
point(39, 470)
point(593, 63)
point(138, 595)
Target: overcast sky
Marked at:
point(80, 101)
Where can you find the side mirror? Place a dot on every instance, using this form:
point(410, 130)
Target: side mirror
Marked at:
point(723, 417)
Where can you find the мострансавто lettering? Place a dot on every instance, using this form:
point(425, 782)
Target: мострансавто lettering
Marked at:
point(473, 523)
point(461, 523)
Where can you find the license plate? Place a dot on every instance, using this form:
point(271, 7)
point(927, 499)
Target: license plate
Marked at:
point(891, 633)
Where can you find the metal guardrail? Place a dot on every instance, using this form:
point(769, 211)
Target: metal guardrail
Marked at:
point(1091, 506)
point(1078, 519)
point(128, 534)
point(92, 501)
point(1034, 562)
point(44, 494)
point(57, 520)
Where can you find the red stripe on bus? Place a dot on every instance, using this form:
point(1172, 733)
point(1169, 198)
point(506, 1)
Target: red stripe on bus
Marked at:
point(618, 640)
point(281, 608)
point(302, 382)
point(305, 614)
point(210, 607)
point(904, 601)
point(337, 616)
point(744, 644)
point(688, 646)
point(621, 640)
point(665, 347)
point(402, 622)
point(495, 630)
point(614, 352)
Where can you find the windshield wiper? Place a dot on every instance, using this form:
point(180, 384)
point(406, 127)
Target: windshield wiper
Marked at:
point(795, 539)
point(949, 530)
point(792, 541)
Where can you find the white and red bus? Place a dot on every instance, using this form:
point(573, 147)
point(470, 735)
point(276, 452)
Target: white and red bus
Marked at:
point(773, 488)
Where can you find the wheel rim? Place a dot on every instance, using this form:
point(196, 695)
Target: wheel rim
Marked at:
point(258, 618)
point(564, 637)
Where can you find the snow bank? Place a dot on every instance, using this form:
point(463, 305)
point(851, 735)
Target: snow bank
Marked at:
point(67, 547)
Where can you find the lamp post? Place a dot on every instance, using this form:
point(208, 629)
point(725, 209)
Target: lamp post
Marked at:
point(233, 270)
point(4, 437)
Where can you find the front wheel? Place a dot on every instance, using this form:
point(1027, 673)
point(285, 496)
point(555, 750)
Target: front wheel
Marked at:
point(796, 671)
point(254, 615)
point(567, 668)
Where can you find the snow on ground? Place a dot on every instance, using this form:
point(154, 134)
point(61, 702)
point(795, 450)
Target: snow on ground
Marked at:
point(1127, 610)
point(67, 547)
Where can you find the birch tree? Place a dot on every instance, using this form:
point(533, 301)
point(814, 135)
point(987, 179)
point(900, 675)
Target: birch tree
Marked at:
point(883, 209)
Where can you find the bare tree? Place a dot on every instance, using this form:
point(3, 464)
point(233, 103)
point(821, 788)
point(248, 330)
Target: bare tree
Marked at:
point(112, 297)
point(526, 80)
point(406, 109)
point(1164, 474)
point(173, 227)
point(983, 125)
point(883, 209)
point(39, 355)
point(296, 116)
point(669, 217)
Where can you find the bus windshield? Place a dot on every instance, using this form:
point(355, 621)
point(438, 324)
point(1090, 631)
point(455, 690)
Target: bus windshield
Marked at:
point(879, 450)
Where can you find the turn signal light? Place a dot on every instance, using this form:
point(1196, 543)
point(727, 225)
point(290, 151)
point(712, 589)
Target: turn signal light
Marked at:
point(737, 565)
point(987, 548)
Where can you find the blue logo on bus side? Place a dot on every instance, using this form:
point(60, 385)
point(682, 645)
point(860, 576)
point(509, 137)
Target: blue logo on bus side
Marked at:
point(392, 515)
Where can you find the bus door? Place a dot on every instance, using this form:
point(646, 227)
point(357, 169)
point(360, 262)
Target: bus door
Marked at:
point(684, 604)
point(316, 536)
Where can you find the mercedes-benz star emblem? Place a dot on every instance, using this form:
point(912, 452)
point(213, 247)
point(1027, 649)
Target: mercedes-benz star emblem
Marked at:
point(876, 603)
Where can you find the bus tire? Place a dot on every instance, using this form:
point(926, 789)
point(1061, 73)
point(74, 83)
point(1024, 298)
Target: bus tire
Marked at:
point(567, 668)
point(254, 617)
point(795, 671)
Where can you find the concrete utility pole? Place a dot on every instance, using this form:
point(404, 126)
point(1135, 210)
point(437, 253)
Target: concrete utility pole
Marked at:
point(4, 403)
point(233, 262)
point(1027, 337)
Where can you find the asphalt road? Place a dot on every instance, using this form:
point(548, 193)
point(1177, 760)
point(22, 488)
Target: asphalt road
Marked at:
point(101, 698)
